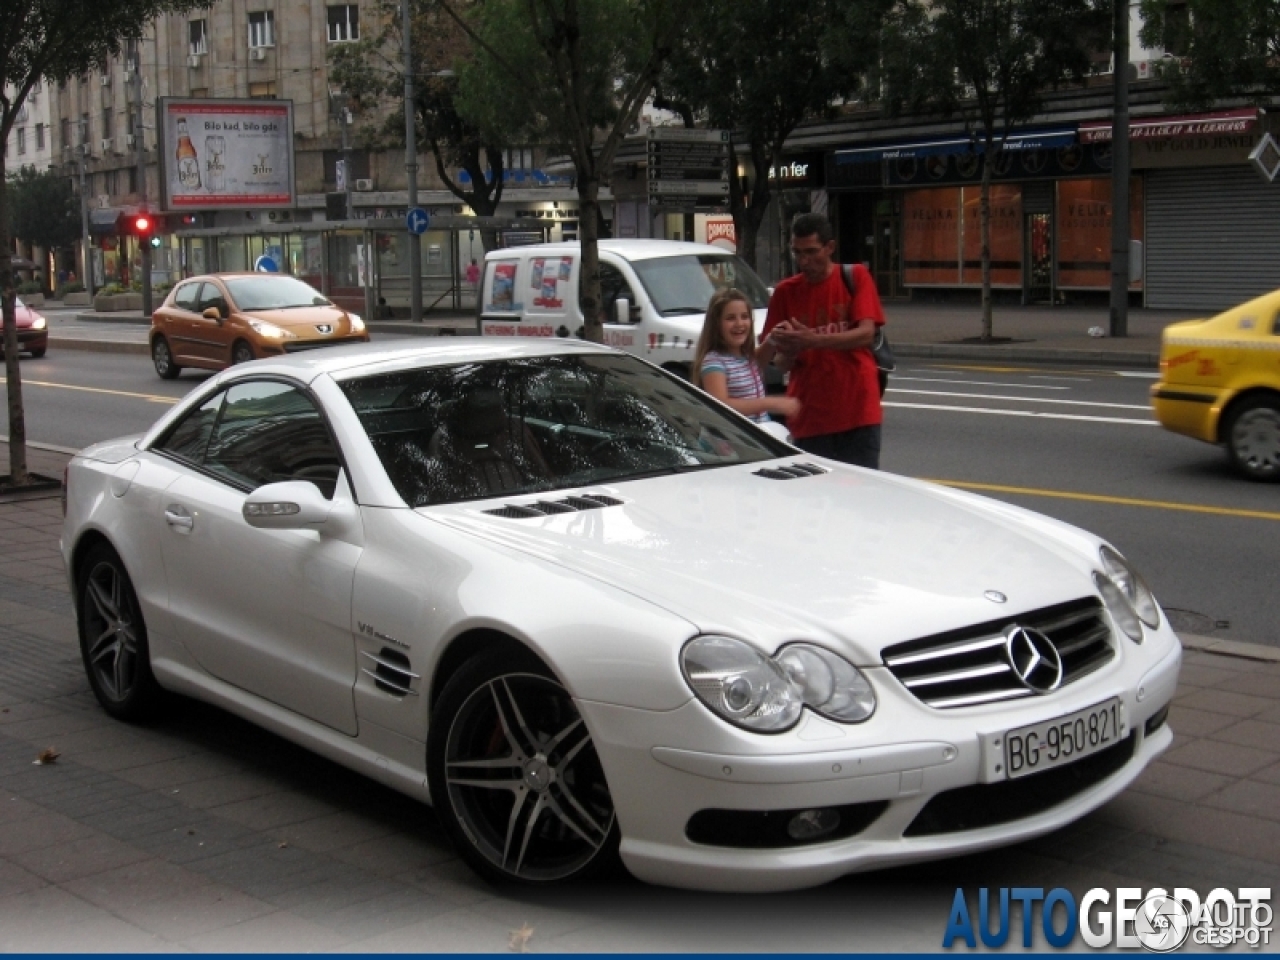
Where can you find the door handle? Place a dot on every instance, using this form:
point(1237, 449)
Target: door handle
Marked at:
point(178, 517)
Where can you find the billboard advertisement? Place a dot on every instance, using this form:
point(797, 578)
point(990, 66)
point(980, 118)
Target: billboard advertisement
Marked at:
point(225, 154)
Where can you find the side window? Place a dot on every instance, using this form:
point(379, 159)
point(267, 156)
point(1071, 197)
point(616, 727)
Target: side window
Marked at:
point(211, 296)
point(187, 296)
point(190, 437)
point(613, 286)
point(269, 432)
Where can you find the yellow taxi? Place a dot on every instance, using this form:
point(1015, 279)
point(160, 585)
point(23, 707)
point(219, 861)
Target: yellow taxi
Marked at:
point(1220, 382)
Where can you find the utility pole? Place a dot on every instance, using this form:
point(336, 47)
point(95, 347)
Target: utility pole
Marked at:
point(87, 253)
point(1120, 172)
point(344, 119)
point(140, 159)
point(411, 164)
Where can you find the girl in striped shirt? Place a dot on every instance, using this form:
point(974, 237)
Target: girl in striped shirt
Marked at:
point(724, 364)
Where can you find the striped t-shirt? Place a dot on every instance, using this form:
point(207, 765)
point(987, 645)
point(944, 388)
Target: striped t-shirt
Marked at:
point(741, 374)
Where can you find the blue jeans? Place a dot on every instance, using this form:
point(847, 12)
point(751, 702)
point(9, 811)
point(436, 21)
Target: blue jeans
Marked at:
point(859, 446)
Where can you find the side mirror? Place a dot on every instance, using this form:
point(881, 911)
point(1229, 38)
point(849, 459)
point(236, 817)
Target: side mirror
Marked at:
point(289, 505)
point(622, 310)
point(212, 313)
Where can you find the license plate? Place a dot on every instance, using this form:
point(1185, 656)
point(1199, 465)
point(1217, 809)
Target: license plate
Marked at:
point(1043, 746)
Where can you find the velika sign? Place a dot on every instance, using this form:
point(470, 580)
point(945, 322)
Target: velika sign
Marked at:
point(1162, 128)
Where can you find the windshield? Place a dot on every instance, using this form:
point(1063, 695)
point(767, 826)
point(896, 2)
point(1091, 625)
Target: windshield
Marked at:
point(685, 284)
point(479, 430)
point(272, 293)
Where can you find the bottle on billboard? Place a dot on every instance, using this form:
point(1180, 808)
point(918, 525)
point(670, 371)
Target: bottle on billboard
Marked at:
point(217, 168)
point(188, 161)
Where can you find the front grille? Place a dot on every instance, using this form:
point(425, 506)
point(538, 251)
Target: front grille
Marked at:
point(987, 804)
point(297, 346)
point(962, 668)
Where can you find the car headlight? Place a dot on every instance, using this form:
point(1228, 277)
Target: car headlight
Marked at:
point(1126, 595)
point(264, 329)
point(39, 323)
point(829, 684)
point(357, 325)
point(766, 694)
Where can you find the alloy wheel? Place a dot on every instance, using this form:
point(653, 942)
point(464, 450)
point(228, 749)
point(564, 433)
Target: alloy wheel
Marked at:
point(524, 779)
point(1255, 442)
point(112, 645)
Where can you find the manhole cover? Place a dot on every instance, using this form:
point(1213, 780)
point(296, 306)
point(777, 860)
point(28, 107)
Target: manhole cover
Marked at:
point(1188, 621)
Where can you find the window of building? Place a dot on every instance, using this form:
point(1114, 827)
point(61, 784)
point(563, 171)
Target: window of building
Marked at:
point(22, 140)
point(359, 167)
point(132, 173)
point(84, 128)
point(344, 23)
point(197, 39)
point(200, 93)
point(108, 124)
point(39, 136)
point(262, 91)
point(262, 29)
point(110, 183)
point(66, 132)
point(520, 158)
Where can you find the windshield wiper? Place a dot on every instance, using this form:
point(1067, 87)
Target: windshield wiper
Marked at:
point(673, 311)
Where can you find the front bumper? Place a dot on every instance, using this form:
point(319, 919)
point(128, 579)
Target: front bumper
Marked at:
point(660, 778)
point(29, 339)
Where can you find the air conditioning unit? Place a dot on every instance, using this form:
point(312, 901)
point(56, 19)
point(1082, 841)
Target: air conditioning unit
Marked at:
point(193, 60)
point(257, 53)
point(364, 186)
point(105, 79)
point(128, 140)
point(105, 146)
point(1146, 69)
point(279, 216)
point(104, 200)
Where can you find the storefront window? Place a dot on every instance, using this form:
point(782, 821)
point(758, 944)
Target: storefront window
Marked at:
point(1084, 232)
point(1006, 236)
point(231, 254)
point(931, 237)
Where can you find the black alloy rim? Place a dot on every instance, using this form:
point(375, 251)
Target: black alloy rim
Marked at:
point(524, 779)
point(111, 631)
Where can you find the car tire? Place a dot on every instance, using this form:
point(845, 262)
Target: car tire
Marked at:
point(547, 816)
point(113, 638)
point(37, 354)
point(241, 352)
point(162, 359)
point(1253, 439)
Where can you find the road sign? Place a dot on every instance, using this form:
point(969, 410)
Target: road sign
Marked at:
point(687, 169)
point(684, 188)
point(417, 221)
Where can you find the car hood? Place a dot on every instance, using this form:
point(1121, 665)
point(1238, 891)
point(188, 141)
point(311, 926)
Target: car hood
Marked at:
point(300, 316)
point(23, 317)
point(855, 559)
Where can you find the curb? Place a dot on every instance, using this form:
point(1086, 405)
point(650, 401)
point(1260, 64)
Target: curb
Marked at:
point(1230, 648)
point(137, 319)
point(100, 346)
point(957, 351)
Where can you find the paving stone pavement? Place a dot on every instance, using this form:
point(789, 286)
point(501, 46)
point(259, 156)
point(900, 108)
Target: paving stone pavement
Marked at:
point(203, 833)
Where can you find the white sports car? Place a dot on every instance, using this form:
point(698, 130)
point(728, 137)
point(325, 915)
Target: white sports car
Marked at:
point(588, 612)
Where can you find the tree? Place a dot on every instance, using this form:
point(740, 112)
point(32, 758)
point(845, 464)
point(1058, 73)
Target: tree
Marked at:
point(43, 209)
point(371, 71)
point(990, 61)
point(54, 40)
point(574, 74)
point(760, 67)
point(1226, 48)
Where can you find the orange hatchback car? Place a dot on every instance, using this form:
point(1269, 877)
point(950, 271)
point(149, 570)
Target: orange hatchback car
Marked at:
point(221, 319)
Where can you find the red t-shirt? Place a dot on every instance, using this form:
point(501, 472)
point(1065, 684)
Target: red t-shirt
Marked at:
point(837, 389)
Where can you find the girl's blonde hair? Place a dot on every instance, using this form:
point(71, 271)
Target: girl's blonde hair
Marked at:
point(712, 337)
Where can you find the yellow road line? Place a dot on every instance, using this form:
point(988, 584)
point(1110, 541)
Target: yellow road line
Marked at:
point(150, 397)
point(1118, 501)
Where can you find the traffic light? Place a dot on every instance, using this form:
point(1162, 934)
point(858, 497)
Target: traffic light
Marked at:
point(143, 226)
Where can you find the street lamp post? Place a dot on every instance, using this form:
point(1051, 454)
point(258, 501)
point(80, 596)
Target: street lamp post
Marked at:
point(344, 120)
point(140, 158)
point(1120, 172)
point(87, 254)
point(411, 165)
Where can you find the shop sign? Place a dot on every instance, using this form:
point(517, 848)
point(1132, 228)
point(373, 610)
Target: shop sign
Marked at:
point(1191, 125)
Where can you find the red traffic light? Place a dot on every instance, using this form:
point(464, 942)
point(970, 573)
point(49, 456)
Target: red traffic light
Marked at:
point(142, 224)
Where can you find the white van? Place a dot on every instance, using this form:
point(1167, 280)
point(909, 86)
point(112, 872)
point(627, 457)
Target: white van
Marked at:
point(655, 294)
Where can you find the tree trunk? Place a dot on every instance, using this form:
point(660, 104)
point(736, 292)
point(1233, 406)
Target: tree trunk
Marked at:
point(13, 376)
point(589, 232)
point(749, 211)
point(984, 222)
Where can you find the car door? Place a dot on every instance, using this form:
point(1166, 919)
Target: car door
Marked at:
point(614, 287)
point(177, 321)
point(211, 339)
point(268, 611)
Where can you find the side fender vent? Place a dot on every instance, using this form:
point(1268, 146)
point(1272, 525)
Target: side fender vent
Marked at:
point(391, 672)
point(545, 508)
point(792, 471)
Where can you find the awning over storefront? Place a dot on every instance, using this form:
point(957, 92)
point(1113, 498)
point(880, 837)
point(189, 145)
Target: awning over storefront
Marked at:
point(944, 146)
point(102, 221)
point(1190, 125)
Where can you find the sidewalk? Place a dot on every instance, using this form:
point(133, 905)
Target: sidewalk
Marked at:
point(1037, 334)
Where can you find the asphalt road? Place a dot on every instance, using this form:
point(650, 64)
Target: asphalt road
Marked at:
point(1078, 445)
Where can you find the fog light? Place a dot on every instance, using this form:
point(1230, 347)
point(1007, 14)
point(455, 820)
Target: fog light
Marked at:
point(811, 824)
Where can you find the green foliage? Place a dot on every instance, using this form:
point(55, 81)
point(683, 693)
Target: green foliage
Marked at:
point(111, 289)
point(30, 286)
point(761, 67)
point(1223, 48)
point(75, 286)
point(43, 210)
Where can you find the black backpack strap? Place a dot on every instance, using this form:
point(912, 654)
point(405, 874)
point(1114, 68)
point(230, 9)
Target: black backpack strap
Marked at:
point(846, 271)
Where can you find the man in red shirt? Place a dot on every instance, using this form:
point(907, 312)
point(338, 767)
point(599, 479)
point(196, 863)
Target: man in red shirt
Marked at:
point(822, 334)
